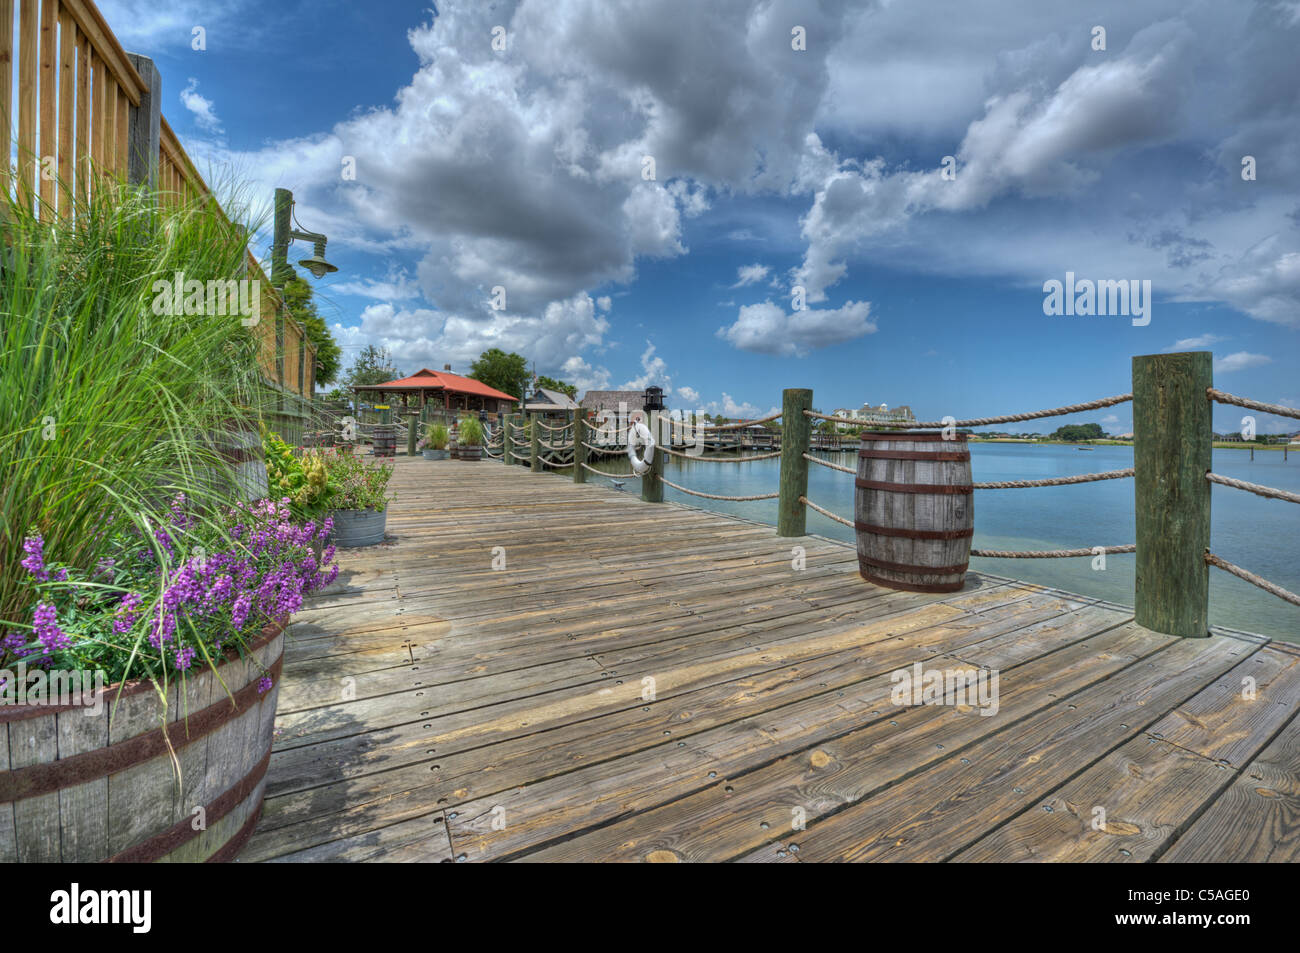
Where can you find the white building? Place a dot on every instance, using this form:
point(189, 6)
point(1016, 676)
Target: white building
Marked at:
point(869, 416)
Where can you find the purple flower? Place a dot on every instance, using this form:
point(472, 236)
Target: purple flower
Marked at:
point(46, 623)
point(126, 613)
point(184, 657)
point(264, 684)
point(34, 561)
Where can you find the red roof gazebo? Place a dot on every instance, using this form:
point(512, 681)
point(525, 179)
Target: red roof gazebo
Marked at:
point(440, 389)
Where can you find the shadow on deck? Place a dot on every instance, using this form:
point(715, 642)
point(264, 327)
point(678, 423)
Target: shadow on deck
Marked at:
point(654, 682)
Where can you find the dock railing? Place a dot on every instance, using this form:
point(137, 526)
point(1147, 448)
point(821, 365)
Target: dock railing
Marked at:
point(1173, 400)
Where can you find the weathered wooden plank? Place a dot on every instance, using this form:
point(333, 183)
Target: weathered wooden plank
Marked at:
point(8, 844)
point(83, 808)
point(741, 811)
point(1130, 805)
point(36, 819)
point(937, 813)
point(1257, 818)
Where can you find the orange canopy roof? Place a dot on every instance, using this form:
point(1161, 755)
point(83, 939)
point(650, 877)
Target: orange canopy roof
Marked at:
point(441, 380)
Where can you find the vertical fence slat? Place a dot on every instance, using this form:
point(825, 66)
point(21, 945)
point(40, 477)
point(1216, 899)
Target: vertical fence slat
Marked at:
point(121, 134)
point(67, 108)
point(6, 90)
point(49, 95)
point(84, 109)
point(98, 109)
point(29, 36)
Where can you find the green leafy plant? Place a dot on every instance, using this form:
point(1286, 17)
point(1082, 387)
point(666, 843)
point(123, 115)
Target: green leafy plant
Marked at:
point(436, 438)
point(360, 485)
point(301, 477)
point(113, 401)
point(469, 432)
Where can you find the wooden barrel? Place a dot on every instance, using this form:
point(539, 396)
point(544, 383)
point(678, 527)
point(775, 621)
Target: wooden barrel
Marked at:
point(385, 441)
point(914, 511)
point(83, 786)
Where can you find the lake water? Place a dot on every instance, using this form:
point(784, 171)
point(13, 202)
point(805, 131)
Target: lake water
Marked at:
point(1256, 533)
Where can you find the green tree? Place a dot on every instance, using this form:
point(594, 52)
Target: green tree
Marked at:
point(505, 372)
point(298, 298)
point(550, 383)
point(1077, 433)
point(374, 365)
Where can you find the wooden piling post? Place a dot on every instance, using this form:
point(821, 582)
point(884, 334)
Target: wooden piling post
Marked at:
point(652, 486)
point(412, 416)
point(1172, 444)
point(536, 431)
point(506, 446)
point(579, 449)
point(792, 516)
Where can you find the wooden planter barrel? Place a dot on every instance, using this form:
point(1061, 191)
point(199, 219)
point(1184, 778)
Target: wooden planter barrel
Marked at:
point(470, 453)
point(914, 511)
point(385, 441)
point(76, 787)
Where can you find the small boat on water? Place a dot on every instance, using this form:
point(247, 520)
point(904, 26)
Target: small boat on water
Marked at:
point(1083, 448)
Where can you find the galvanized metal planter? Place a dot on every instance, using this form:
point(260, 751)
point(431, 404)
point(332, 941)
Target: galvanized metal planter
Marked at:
point(354, 528)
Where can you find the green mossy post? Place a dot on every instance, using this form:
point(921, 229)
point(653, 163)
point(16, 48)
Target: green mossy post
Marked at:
point(792, 516)
point(1172, 444)
point(536, 431)
point(652, 487)
point(506, 446)
point(413, 417)
point(579, 449)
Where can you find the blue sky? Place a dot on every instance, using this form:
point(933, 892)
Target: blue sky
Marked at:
point(776, 169)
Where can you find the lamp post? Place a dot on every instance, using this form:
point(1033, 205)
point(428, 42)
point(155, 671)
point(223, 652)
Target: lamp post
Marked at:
point(284, 235)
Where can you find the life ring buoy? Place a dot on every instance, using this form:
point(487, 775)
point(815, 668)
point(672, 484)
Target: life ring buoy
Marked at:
point(639, 431)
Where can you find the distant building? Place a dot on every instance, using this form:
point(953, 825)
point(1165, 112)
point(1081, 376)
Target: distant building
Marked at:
point(881, 416)
point(594, 401)
point(439, 389)
point(550, 403)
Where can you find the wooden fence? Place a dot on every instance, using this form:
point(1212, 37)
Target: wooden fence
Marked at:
point(88, 112)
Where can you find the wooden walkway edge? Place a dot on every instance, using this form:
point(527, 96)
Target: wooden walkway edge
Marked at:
point(646, 682)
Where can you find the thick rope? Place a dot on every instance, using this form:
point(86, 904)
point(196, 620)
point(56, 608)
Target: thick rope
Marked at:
point(1051, 553)
point(755, 456)
point(1056, 481)
point(714, 496)
point(830, 466)
point(550, 428)
point(736, 426)
point(985, 421)
point(610, 450)
point(612, 476)
point(1271, 492)
point(554, 465)
point(826, 513)
point(551, 446)
point(1284, 594)
point(1246, 402)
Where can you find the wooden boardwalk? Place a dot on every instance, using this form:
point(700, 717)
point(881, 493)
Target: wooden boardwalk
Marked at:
point(437, 709)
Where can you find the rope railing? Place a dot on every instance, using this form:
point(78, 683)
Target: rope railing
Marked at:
point(554, 464)
point(826, 513)
point(1056, 481)
point(716, 496)
point(1257, 489)
point(732, 426)
point(609, 450)
point(985, 421)
point(1226, 398)
point(1285, 595)
point(828, 465)
point(745, 459)
point(553, 429)
point(1052, 553)
point(604, 473)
